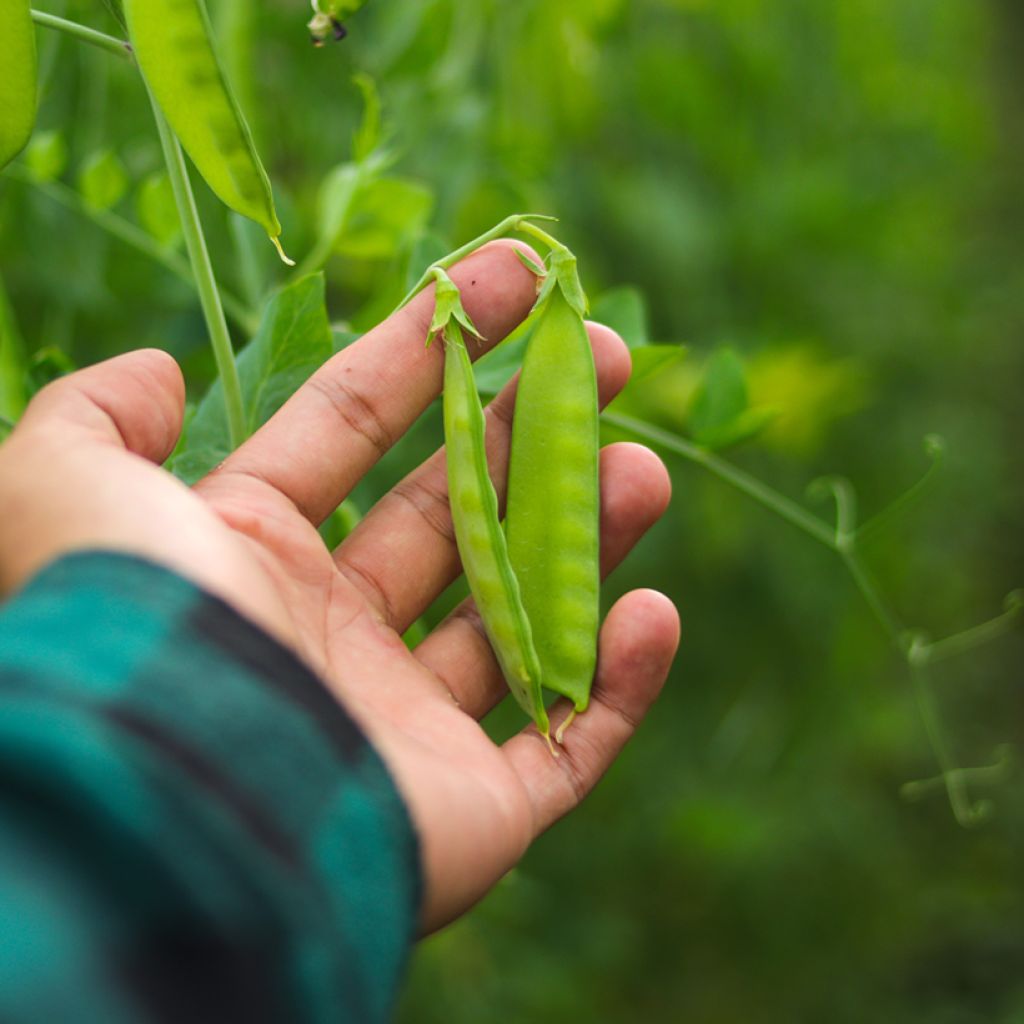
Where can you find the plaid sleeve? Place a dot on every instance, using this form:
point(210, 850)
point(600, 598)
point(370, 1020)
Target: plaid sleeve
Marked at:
point(191, 828)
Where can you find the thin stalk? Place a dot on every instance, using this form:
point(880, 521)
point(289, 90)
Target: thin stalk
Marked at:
point(976, 636)
point(206, 283)
point(982, 775)
point(935, 449)
point(894, 629)
point(956, 784)
point(742, 481)
point(125, 231)
point(516, 222)
point(915, 650)
point(118, 47)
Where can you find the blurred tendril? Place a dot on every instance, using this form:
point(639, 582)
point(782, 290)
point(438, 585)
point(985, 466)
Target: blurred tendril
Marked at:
point(935, 450)
point(916, 649)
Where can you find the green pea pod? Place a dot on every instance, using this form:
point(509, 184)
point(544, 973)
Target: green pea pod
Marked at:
point(552, 517)
point(173, 44)
point(17, 78)
point(478, 532)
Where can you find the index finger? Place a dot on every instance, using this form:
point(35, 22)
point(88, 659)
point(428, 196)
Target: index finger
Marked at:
point(322, 441)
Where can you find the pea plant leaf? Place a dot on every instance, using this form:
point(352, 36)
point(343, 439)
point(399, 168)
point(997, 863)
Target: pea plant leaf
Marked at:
point(624, 310)
point(117, 13)
point(102, 180)
point(649, 360)
point(18, 80)
point(720, 415)
point(294, 339)
point(386, 217)
point(46, 156)
point(155, 208)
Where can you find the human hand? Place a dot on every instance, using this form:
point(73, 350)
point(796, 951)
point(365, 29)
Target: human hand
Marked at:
point(82, 470)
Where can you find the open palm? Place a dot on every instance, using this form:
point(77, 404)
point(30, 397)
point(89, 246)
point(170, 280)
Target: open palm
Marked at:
point(83, 470)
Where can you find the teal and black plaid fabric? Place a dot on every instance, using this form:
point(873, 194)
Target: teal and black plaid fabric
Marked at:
point(191, 828)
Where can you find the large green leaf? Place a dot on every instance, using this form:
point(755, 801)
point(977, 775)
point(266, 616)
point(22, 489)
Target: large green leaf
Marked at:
point(17, 79)
point(650, 360)
point(721, 395)
point(293, 340)
point(624, 311)
point(385, 217)
point(720, 415)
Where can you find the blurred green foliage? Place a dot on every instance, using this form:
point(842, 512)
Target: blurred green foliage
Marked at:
point(822, 200)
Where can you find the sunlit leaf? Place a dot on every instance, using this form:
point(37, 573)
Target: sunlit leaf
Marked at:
point(721, 395)
point(387, 215)
point(46, 156)
point(156, 210)
point(102, 180)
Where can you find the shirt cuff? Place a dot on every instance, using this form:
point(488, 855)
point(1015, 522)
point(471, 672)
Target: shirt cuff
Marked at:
point(211, 754)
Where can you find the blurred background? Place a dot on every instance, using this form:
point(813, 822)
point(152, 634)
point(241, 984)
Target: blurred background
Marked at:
point(822, 200)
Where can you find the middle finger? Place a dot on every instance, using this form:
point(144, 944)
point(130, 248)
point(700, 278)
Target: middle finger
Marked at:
point(403, 554)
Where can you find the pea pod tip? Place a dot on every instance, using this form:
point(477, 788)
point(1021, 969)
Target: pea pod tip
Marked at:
point(285, 258)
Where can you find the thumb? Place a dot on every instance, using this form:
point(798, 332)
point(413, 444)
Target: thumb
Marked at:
point(135, 401)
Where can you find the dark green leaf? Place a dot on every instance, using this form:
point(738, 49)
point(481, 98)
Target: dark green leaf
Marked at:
point(649, 360)
point(386, 216)
point(366, 137)
point(624, 311)
point(721, 395)
point(293, 340)
point(747, 425)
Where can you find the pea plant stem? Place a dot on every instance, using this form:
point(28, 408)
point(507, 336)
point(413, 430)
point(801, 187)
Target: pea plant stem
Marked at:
point(914, 648)
point(206, 283)
point(119, 47)
point(738, 478)
point(516, 222)
point(125, 231)
point(976, 636)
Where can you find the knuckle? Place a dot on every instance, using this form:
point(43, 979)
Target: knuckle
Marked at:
point(355, 410)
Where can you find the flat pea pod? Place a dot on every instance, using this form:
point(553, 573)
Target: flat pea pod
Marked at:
point(478, 532)
point(17, 78)
point(172, 40)
point(553, 507)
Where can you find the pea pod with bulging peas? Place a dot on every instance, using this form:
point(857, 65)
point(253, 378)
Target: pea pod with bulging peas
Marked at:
point(474, 506)
point(553, 504)
point(172, 41)
point(537, 582)
point(17, 78)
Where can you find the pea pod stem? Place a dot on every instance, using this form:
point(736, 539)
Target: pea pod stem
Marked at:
point(118, 47)
point(206, 283)
point(515, 222)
